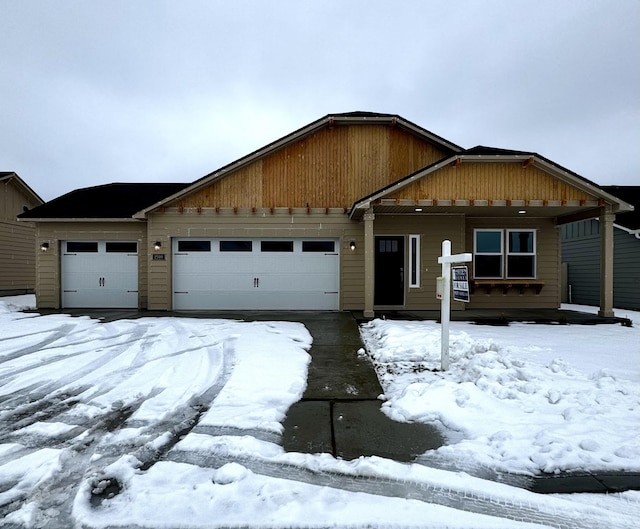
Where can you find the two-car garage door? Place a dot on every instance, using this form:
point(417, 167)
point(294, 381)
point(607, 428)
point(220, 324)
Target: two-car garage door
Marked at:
point(261, 274)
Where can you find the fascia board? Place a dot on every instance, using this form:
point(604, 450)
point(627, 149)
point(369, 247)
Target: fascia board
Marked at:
point(79, 219)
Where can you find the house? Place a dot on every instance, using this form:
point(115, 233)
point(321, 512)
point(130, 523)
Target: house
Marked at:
point(580, 242)
point(346, 213)
point(17, 239)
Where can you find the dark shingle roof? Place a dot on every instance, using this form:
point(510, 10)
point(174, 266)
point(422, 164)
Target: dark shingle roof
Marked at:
point(110, 201)
point(631, 195)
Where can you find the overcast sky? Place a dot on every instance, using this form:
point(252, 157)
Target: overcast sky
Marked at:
point(94, 92)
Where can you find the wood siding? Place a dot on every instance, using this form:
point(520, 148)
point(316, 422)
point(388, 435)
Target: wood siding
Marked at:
point(329, 169)
point(17, 257)
point(48, 269)
point(490, 181)
point(547, 265)
point(17, 241)
point(581, 252)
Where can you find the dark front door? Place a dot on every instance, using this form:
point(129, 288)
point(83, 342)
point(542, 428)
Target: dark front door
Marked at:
point(389, 267)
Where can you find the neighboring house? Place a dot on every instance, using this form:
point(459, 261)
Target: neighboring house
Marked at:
point(581, 253)
point(346, 213)
point(17, 239)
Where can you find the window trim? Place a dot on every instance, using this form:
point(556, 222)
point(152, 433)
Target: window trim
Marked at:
point(476, 252)
point(532, 254)
point(505, 253)
point(414, 261)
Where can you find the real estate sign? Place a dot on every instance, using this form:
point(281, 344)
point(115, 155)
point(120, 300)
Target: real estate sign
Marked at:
point(460, 282)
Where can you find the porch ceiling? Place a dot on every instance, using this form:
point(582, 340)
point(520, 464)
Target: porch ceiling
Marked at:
point(562, 212)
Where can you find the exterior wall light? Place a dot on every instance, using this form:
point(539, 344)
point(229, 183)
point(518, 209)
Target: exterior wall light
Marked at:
point(44, 246)
point(157, 245)
point(352, 245)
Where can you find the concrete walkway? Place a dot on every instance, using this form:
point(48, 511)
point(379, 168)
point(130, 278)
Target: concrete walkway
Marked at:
point(339, 412)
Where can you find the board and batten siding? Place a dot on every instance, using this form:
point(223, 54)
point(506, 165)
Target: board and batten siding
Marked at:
point(581, 252)
point(547, 265)
point(245, 223)
point(48, 278)
point(490, 181)
point(331, 168)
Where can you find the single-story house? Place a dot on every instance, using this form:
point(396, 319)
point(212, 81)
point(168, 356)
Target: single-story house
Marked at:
point(580, 243)
point(346, 213)
point(17, 239)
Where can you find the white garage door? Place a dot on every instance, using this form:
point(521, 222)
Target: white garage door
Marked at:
point(99, 274)
point(261, 274)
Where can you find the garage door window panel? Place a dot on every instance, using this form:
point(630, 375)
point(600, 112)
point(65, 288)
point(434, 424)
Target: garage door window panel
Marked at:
point(82, 247)
point(194, 246)
point(236, 246)
point(121, 247)
point(276, 246)
point(318, 246)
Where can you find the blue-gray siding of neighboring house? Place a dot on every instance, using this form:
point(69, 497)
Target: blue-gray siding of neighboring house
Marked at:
point(581, 252)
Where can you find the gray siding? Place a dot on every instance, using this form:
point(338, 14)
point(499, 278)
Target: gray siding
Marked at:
point(581, 252)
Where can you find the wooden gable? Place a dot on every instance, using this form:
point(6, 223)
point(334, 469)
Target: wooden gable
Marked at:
point(331, 168)
point(490, 181)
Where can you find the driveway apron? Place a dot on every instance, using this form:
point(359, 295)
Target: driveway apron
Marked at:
point(339, 412)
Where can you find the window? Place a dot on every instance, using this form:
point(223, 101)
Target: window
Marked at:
point(276, 246)
point(82, 247)
point(236, 246)
point(521, 256)
point(122, 247)
point(194, 246)
point(319, 246)
point(487, 254)
point(388, 246)
point(491, 261)
point(414, 261)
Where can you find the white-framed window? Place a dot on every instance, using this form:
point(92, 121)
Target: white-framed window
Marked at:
point(521, 254)
point(488, 254)
point(504, 254)
point(414, 261)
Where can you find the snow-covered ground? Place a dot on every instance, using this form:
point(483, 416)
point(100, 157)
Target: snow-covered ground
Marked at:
point(174, 422)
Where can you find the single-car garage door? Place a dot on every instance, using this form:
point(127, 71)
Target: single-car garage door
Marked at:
point(261, 274)
point(99, 274)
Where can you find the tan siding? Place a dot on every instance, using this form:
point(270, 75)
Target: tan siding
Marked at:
point(490, 181)
point(17, 257)
point(48, 263)
point(330, 168)
point(547, 264)
point(17, 240)
point(432, 230)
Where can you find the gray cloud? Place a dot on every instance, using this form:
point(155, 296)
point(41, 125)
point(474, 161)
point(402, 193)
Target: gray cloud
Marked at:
point(96, 92)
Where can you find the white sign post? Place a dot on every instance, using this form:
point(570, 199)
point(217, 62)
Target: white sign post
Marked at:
point(446, 260)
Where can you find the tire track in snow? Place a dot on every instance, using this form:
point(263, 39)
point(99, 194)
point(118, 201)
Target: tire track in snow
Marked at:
point(548, 512)
point(53, 500)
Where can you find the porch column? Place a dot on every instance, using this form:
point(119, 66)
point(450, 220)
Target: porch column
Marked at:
point(369, 252)
point(606, 262)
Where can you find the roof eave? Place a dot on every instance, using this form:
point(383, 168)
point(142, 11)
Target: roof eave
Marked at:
point(79, 219)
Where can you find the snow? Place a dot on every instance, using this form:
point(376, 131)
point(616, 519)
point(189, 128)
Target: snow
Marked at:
point(524, 399)
point(174, 422)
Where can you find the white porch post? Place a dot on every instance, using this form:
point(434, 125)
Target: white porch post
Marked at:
point(369, 252)
point(607, 218)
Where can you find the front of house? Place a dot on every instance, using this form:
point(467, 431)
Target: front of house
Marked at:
point(347, 213)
